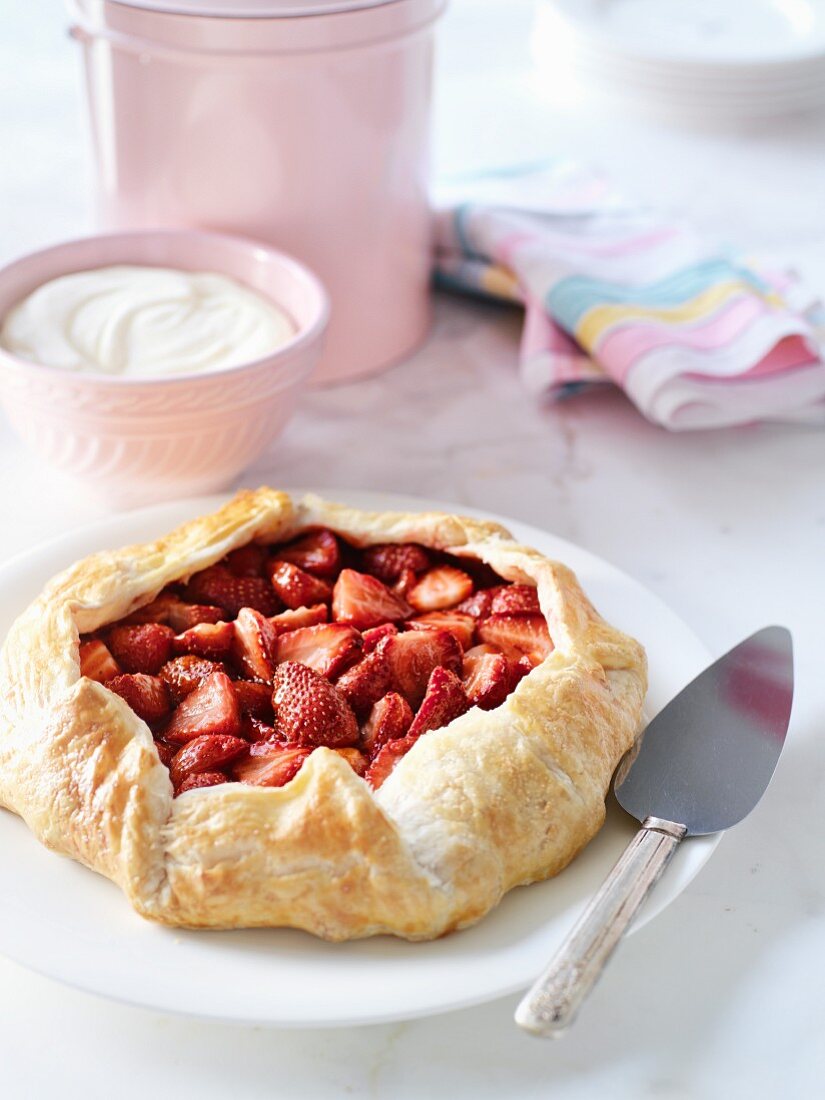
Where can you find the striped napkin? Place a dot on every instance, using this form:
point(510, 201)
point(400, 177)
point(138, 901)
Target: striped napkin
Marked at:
point(697, 337)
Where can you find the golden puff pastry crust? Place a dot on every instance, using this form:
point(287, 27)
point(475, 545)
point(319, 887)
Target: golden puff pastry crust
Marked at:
point(493, 800)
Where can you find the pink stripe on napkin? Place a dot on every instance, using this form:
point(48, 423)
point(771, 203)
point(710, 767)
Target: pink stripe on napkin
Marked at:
point(624, 346)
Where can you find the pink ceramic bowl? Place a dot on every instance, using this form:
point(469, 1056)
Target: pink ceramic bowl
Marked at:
point(140, 440)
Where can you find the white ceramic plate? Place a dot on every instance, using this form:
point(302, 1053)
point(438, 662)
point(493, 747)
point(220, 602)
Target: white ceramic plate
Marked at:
point(64, 921)
point(704, 32)
point(705, 59)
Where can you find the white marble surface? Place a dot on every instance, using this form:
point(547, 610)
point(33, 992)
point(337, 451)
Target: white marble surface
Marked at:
point(722, 995)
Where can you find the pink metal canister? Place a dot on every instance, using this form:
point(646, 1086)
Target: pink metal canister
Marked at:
point(304, 123)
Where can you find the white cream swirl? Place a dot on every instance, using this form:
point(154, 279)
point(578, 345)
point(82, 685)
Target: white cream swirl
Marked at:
point(144, 321)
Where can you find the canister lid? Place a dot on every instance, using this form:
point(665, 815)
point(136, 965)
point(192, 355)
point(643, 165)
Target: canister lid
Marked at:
point(253, 9)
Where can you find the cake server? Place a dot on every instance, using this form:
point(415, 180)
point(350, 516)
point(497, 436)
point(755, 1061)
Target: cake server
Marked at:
point(701, 766)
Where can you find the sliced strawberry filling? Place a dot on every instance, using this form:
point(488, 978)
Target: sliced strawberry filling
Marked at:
point(296, 587)
point(142, 648)
point(207, 753)
point(218, 585)
point(366, 682)
point(390, 560)
point(183, 674)
point(518, 636)
point(444, 700)
point(318, 553)
point(309, 709)
point(254, 699)
point(327, 647)
point(389, 719)
point(254, 644)
point(440, 588)
point(370, 638)
point(148, 696)
point(300, 616)
point(386, 758)
point(363, 601)
point(201, 779)
point(213, 640)
point(458, 623)
point(211, 708)
point(413, 655)
point(489, 677)
point(96, 662)
point(172, 611)
point(259, 659)
point(271, 764)
point(248, 561)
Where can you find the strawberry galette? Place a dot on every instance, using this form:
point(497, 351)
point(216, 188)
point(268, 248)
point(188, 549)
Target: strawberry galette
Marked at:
point(294, 713)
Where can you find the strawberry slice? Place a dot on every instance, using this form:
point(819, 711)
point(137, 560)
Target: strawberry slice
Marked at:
point(328, 648)
point(478, 650)
point(247, 561)
point(365, 683)
point(373, 636)
point(254, 700)
point(297, 588)
point(386, 759)
point(318, 553)
point(202, 779)
point(183, 674)
point(147, 695)
point(309, 710)
point(515, 599)
point(165, 751)
point(413, 655)
point(301, 616)
point(208, 753)
point(480, 604)
point(96, 662)
point(254, 729)
point(457, 622)
point(488, 679)
point(356, 759)
point(405, 584)
point(389, 719)
point(183, 616)
point(444, 700)
point(363, 601)
point(142, 648)
point(271, 764)
point(255, 639)
point(440, 588)
point(210, 709)
point(169, 609)
point(217, 585)
point(389, 560)
point(518, 635)
point(212, 640)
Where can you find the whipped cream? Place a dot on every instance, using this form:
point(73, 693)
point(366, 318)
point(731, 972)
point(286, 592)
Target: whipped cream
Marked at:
point(144, 321)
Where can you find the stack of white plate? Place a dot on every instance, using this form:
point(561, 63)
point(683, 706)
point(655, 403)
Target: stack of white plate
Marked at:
point(705, 59)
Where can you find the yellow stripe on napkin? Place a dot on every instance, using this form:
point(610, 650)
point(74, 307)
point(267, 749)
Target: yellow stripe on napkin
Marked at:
point(594, 322)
